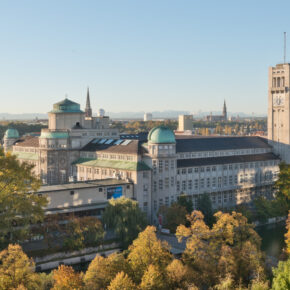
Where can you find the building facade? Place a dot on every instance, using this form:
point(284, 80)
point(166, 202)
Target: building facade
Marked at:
point(279, 110)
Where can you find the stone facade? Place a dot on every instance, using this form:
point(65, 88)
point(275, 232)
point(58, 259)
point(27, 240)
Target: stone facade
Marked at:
point(279, 110)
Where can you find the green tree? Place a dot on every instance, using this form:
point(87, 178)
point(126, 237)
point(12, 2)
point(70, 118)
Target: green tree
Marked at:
point(173, 216)
point(122, 281)
point(83, 232)
point(102, 270)
point(283, 184)
point(148, 250)
point(186, 202)
point(19, 204)
point(205, 206)
point(281, 280)
point(126, 218)
point(17, 270)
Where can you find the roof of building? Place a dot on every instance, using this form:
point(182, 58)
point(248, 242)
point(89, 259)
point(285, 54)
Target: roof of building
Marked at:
point(29, 141)
point(120, 146)
point(123, 165)
point(82, 184)
point(192, 144)
point(11, 133)
point(26, 155)
point(66, 106)
point(161, 135)
point(54, 135)
point(225, 160)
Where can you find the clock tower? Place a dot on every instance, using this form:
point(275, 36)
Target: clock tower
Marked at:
point(279, 110)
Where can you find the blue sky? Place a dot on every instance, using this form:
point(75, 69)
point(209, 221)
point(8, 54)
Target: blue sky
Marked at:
point(140, 55)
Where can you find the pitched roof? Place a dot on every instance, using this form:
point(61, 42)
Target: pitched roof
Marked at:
point(225, 160)
point(29, 141)
point(190, 144)
point(133, 147)
point(125, 165)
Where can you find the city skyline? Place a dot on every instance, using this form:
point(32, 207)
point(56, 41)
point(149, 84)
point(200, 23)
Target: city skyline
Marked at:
point(138, 56)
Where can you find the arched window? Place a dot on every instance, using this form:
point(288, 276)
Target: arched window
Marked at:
point(278, 82)
point(274, 82)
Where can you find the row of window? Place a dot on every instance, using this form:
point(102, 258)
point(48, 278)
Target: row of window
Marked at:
point(227, 167)
point(221, 153)
point(278, 82)
point(163, 165)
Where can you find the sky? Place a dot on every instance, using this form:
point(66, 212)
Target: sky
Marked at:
point(138, 55)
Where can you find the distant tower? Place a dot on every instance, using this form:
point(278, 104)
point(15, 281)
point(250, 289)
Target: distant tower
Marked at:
point(88, 110)
point(225, 115)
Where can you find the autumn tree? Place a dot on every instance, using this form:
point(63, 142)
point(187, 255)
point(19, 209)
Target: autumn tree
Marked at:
point(287, 235)
point(17, 270)
point(173, 216)
point(125, 217)
point(153, 279)
point(19, 204)
point(102, 270)
point(65, 278)
point(147, 250)
point(122, 281)
point(230, 249)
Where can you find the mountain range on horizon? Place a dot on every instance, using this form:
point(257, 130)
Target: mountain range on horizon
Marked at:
point(171, 114)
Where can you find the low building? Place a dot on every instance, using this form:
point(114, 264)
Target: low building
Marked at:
point(86, 198)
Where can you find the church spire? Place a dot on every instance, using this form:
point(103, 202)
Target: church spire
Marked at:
point(88, 110)
point(225, 111)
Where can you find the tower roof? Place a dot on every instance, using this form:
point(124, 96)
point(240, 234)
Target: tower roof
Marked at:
point(88, 109)
point(11, 133)
point(161, 134)
point(66, 106)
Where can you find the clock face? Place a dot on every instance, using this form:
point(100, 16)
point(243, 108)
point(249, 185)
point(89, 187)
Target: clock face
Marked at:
point(278, 100)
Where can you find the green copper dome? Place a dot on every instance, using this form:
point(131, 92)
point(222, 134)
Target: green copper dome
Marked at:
point(11, 133)
point(66, 106)
point(161, 134)
point(54, 135)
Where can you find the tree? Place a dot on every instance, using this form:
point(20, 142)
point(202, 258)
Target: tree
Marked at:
point(281, 275)
point(19, 205)
point(122, 281)
point(148, 250)
point(178, 275)
point(126, 218)
point(65, 278)
point(83, 232)
point(283, 182)
point(173, 216)
point(230, 249)
point(205, 206)
point(185, 202)
point(287, 235)
point(152, 279)
point(16, 269)
point(102, 270)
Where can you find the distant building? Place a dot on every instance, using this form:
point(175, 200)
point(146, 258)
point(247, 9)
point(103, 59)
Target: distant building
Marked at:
point(218, 118)
point(185, 123)
point(147, 117)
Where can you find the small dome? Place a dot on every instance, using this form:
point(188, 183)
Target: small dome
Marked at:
point(11, 133)
point(161, 134)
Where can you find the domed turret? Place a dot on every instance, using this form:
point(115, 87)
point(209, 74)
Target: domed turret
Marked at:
point(11, 135)
point(161, 135)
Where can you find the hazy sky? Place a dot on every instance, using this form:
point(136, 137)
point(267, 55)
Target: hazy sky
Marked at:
point(140, 55)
